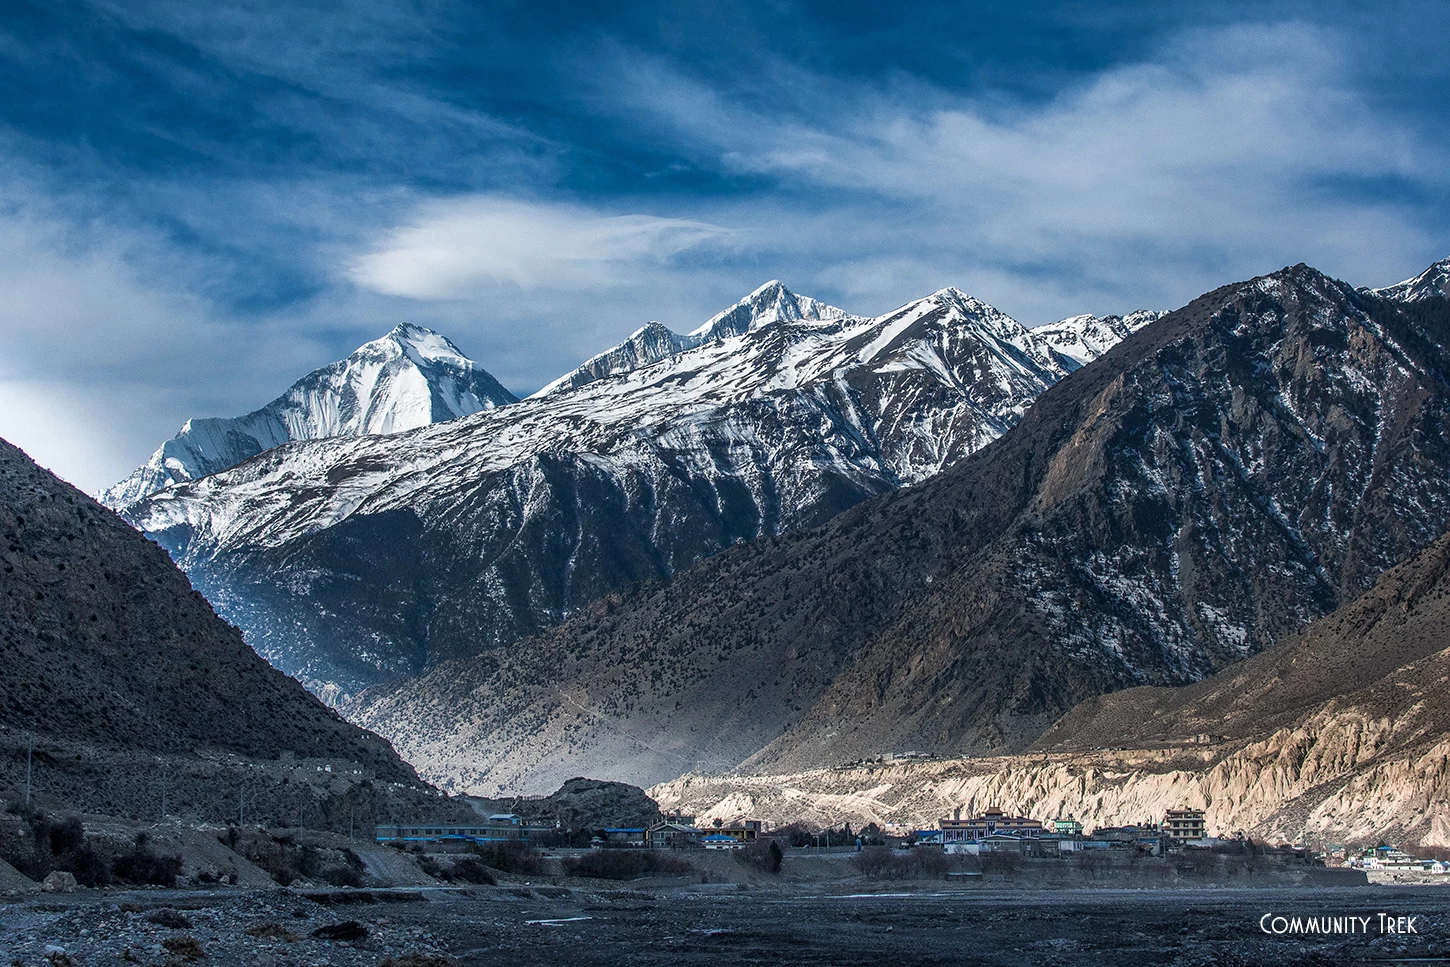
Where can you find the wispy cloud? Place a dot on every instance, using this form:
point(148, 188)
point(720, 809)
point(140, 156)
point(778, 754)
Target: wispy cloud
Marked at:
point(461, 247)
point(199, 203)
point(1230, 152)
point(98, 361)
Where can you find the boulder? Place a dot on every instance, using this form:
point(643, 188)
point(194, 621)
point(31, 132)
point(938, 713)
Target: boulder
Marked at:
point(59, 882)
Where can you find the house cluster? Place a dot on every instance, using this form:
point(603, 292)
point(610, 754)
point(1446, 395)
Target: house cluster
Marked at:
point(1386, 857)
point(679, 831)
point(996, 831)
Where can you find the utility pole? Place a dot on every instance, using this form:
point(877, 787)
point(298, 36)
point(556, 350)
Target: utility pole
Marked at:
point(351, 810)
point(242, 807)
point(29, 759)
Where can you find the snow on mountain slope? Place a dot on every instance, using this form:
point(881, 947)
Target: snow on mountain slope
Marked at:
point(349, 561)
point(772, 302)
point(1084, 338)
point(1434, 281)
point(409, 378)
point(648, 344)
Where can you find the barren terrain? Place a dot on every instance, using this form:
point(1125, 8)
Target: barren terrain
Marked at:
point(702, 924)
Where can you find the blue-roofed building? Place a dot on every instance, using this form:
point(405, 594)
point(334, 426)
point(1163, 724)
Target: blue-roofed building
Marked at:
point(499, 828)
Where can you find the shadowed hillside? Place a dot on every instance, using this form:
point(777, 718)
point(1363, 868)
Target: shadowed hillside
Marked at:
point(102, 640)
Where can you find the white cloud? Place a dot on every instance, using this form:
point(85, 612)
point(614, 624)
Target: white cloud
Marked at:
point(462, 246)
point(1228, 154)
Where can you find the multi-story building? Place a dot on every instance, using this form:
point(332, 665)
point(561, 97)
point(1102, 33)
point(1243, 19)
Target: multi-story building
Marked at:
point(1184, 826)
point(673, 836)
point(743, 830)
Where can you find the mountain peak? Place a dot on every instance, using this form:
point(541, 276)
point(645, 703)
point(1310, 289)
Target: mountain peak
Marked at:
point(421, 344)
point(1434, 281)
point(1081, 339)
point(771, 302)
point(649, 343)
point(408, 378)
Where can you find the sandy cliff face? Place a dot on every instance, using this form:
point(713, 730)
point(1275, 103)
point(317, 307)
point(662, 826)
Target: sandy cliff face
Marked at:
point(1298, 785)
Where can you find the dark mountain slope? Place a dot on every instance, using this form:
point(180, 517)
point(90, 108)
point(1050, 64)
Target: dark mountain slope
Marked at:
point(103, 641)
point(1398, 629)
point(1207, 488)
point(1220, 482)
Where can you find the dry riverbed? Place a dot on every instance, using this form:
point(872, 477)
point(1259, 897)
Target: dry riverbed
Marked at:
point(524, 924)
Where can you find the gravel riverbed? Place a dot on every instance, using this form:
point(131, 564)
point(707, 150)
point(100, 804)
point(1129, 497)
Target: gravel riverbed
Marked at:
point(522, 924)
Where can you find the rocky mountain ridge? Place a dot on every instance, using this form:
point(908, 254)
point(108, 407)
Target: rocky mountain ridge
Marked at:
point(409, 378)
point(1252, 461)
point(1432, 283)
point(351, 561)
point(771, 303)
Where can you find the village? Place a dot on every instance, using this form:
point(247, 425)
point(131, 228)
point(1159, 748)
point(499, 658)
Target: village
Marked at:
point(993, 832)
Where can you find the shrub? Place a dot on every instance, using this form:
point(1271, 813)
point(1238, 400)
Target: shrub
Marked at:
point(170, 919)
point(417, 960)
point(61, 845)
point(932, 862)
point(874, 861)
point(878, 861)
point(511, 858)
point(763, 854)
point(143, 866)
point(286, 860)
point(65, 836)
point(184, 948)
point(470, 869)
point(622, 864)
point(1000, 863)
point(273, 931)
point(341, 875)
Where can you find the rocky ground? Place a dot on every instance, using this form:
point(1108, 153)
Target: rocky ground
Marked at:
point(711, 924)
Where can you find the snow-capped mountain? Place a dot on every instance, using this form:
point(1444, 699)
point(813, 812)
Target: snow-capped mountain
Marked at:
point(352, 560)
point(1217, 481)
point(772, 302)
point(648, 344)
point(1434, 281)
point(1084, 338)
point(409, 378)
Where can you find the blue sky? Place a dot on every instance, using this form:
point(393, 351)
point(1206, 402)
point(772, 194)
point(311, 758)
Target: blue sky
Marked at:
point(201, 201)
